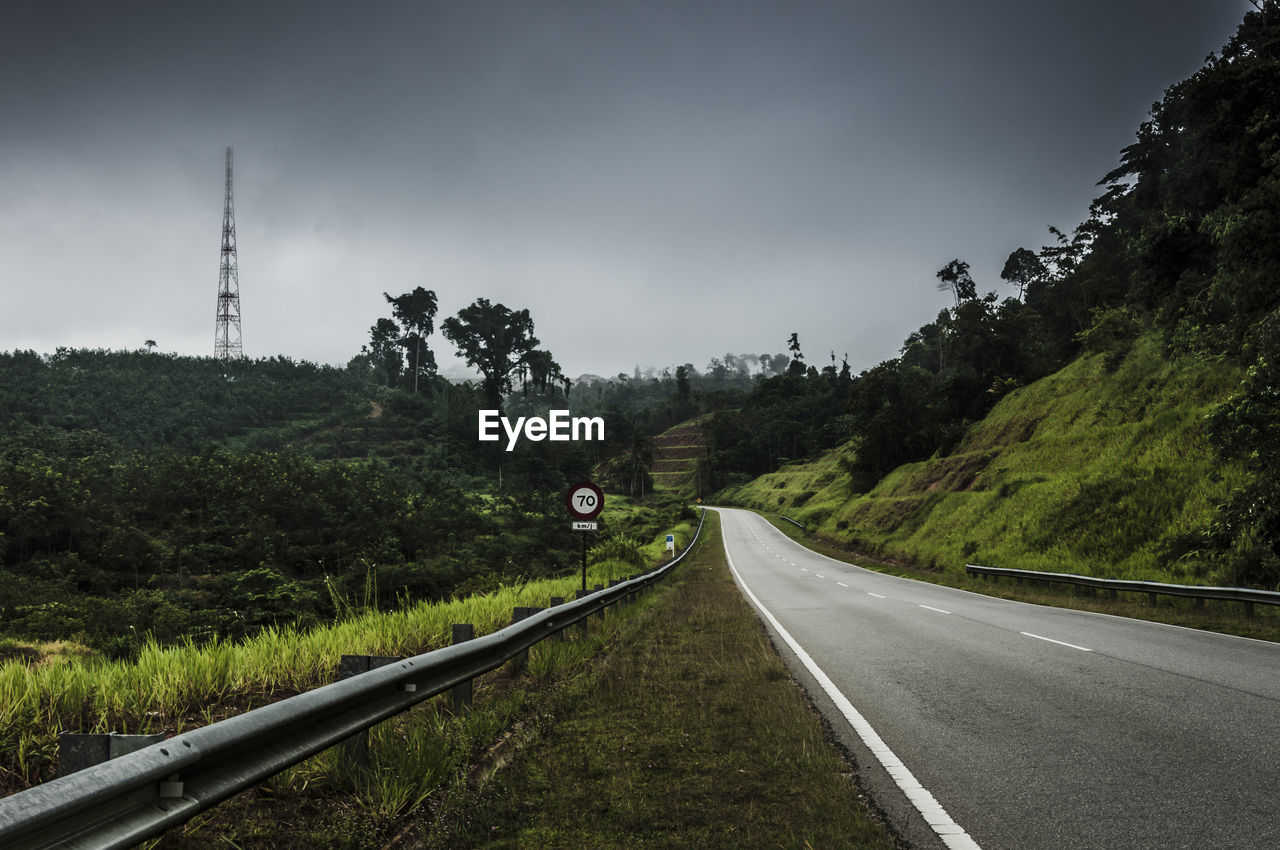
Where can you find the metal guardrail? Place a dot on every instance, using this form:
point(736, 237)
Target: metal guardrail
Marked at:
point(799, 525)
point(137, 796)
point(1232, 594)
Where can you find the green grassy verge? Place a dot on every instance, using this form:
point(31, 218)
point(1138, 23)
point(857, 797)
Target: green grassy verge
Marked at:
point(171, 688)
point(1090, 470)
point(692, 735)
point(414, 758)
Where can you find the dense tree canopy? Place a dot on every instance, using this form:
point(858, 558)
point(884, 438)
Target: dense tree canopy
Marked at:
point(494, 339)
point(144, 493)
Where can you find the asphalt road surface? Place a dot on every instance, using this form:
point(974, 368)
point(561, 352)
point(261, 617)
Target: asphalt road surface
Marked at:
point(1025, 726)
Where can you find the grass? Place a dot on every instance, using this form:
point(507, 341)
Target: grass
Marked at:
point(413, 758)
point(47, 688)
point(691, 735)
point(1089, 471)
point(670, 722)
point(170, 688)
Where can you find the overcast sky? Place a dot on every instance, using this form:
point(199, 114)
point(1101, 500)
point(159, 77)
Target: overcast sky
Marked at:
point(658, 182)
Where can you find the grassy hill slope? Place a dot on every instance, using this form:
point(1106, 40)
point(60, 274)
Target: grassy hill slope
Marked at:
point(676, 454)
point(1089, 470)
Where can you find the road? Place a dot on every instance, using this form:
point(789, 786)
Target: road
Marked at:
point(1029, 726)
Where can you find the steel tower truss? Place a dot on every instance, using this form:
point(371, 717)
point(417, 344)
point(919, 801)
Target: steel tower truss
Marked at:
point(227, 342)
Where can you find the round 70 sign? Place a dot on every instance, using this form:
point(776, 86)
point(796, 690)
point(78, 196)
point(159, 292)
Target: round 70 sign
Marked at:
point(585, 500)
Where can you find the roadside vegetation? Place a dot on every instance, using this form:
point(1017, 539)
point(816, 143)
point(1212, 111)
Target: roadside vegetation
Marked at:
point(692, 734)
point(417, 756)
point(1089, 470)
point(168, 688)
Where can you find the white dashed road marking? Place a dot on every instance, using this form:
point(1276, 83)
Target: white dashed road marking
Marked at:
point(1058, 642)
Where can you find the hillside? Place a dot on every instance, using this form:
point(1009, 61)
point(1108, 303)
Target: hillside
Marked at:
point(677, 453)
point(1088, 470)
point(144, 494)
point(988, 438)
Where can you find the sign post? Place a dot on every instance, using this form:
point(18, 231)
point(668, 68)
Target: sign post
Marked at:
point(585, 501)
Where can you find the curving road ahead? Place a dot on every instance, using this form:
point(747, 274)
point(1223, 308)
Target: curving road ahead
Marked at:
point(1012, 725)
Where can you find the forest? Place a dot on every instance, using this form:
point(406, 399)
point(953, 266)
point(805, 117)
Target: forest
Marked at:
point(151, 495)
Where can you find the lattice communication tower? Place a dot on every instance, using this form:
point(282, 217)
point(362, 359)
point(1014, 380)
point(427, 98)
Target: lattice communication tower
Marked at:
point(227, 341)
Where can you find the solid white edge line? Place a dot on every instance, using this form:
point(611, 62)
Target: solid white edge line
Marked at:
point(1058, 642)
point(951, 833)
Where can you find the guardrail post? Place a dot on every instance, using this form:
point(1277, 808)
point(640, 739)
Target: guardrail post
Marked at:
point(1154, 603)
point(558, 600)
point(460, 696)
point(1248, 608)
point(582, 624)
point(520, 612)
point(78, 750)
point(355, 750)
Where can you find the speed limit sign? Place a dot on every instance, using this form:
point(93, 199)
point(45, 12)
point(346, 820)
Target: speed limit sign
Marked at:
point(585, 500)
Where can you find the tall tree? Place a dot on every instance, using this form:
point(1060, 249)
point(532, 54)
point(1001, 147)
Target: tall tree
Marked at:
point(682, 383)
point(1020, 269)
point(493, 339)
point(795, 368)
point(639, 462)
point(955, 278)
point(416, 312)
point(384, 351)
point(539, 371)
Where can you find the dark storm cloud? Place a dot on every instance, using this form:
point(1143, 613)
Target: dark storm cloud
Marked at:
point(658, 182)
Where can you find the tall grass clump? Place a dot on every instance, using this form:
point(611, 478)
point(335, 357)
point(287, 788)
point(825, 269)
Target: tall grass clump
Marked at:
point(420, 753)
point(169, 688)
